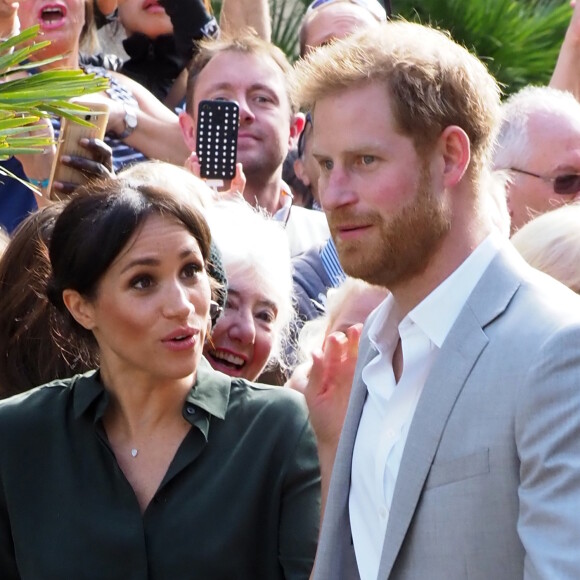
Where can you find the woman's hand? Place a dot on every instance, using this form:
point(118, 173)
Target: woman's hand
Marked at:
point(97, 164)
point(37, 166)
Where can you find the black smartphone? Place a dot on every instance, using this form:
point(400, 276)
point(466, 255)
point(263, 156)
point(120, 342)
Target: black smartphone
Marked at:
point(217, 138)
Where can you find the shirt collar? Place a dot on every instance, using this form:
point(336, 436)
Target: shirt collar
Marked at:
point(436, 314)
point(211, 392)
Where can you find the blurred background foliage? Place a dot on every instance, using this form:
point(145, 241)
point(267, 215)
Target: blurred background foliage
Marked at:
point(518, 39)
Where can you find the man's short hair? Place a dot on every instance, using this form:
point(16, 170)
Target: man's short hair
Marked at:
point(514, 146)
point(432, 82)
point(246, 42)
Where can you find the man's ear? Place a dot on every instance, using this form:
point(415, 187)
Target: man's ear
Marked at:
point(455, 149)
point(79, 307)
point(187, 125)
point(299, 171)
point(296, 127)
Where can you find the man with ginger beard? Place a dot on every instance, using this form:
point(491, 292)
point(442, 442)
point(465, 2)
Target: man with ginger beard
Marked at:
point(456, 453)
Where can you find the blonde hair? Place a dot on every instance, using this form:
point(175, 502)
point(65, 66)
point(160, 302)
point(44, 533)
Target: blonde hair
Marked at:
point(314, 332)
point(551, 243)
point(432, 82)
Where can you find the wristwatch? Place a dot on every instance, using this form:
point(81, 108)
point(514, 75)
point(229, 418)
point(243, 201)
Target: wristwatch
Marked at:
point(130, 120)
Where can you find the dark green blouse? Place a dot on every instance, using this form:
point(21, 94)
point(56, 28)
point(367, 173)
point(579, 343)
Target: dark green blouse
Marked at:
point(240, 500)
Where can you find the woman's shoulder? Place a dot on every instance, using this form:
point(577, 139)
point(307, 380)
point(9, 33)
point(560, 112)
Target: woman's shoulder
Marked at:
point(40, 401)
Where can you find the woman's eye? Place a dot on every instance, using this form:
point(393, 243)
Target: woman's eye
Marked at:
point(141, 282)
point(191, 270)
point(267, 316)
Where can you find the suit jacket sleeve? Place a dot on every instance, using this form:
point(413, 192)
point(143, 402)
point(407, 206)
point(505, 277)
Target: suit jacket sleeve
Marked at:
point(547, 429)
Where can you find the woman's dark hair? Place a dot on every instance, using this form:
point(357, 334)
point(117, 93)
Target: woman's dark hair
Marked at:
point(98, 223)
point(34, 348)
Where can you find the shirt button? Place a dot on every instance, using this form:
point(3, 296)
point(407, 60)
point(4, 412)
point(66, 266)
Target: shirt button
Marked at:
point(383, 512)
point(190, 410)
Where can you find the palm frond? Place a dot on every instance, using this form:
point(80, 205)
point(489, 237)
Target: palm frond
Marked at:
point(26, 99)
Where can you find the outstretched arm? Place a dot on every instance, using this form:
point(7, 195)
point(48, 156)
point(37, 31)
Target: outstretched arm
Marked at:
point(239, 14)
point(566, 75)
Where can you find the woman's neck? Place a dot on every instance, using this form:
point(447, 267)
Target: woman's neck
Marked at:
point(141, 403)
point(69, 60)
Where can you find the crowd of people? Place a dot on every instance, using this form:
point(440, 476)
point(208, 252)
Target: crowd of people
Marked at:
point(358, 359)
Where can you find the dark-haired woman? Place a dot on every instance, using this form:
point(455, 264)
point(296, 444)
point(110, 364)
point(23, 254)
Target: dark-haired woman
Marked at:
point(153, 466)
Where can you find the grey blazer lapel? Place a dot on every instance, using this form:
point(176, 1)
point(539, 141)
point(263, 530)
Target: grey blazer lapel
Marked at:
point(458, 355)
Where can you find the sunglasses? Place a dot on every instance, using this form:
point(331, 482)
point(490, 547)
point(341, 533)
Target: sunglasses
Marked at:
point(373, 6)
point(562, 184)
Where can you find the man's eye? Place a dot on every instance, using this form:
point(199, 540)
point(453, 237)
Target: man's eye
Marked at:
point(367, 159)
point(326, 164)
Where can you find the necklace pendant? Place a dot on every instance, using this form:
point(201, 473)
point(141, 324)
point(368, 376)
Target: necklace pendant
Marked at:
point(134, 452)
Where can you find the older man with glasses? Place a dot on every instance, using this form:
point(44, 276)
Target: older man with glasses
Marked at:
point(539, 144)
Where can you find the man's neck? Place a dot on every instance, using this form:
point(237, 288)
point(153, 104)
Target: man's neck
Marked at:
point(264, 193)
point(454, 250)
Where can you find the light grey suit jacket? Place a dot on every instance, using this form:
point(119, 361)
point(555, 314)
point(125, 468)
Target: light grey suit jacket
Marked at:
point(489, 482)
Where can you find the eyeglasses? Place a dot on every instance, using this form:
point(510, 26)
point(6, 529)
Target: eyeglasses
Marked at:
point(302, 139)
point(562, 184)
point(373, 6)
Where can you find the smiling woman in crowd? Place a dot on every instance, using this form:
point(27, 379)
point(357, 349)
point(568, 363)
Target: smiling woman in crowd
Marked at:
point(134, 470)
point(250, 334)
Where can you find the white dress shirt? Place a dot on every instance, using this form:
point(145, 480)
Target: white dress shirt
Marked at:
point(390, 406)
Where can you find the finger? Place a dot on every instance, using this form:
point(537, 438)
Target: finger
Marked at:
point(99, 150)
point(353, 334)
point(87, 166)
point(238, 183)
point(313, 385)
point(64, 188)
point(192, 164)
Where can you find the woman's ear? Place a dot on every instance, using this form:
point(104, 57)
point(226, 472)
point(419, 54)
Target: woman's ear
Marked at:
point(79, 307)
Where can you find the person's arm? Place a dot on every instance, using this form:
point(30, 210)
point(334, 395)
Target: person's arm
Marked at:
point(566, 76)
point(547, 432)
point(327, 394)
point(191, 21)
point(9, 23)
point(239, 14)
point(158, 134)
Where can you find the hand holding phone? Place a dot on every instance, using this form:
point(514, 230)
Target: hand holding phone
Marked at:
point(217, 138)
point(68, 145)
